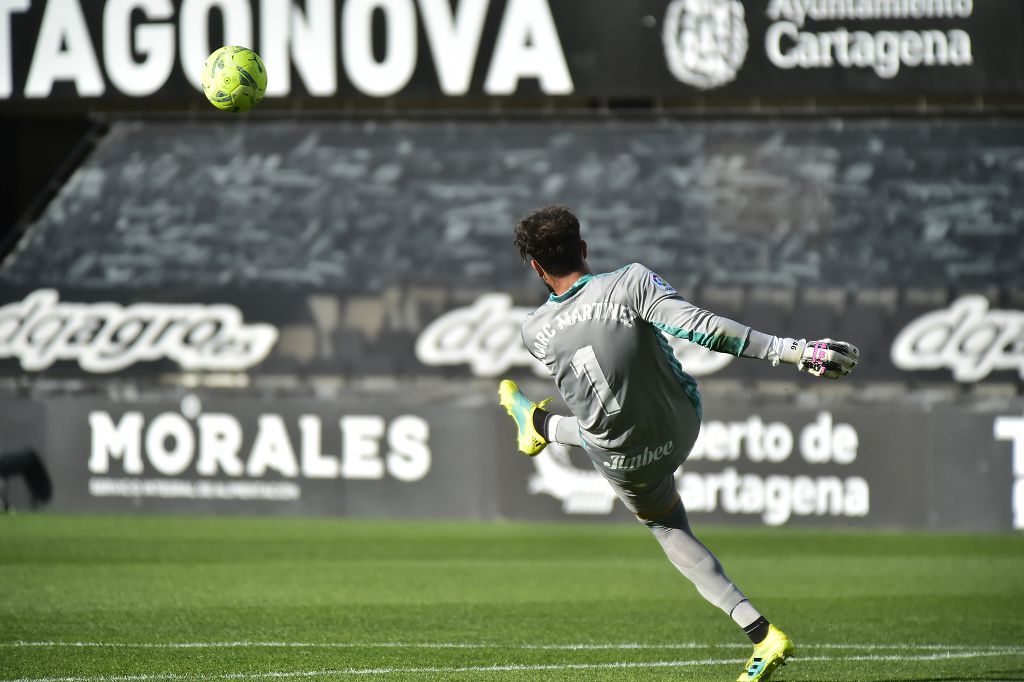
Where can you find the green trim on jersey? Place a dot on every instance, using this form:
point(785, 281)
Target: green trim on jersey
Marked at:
point(581, 282)
point(576, 286)
point(721, 344)
point(685, 380)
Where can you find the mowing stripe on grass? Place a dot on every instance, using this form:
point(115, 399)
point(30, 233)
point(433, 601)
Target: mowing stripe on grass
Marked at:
point(621, 646)
point(313, 674)
point(381, 671)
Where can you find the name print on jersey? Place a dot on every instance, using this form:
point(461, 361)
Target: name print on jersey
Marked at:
point(601, 311)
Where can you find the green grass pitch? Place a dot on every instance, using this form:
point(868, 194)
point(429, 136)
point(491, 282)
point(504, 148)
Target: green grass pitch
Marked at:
point(105, 599)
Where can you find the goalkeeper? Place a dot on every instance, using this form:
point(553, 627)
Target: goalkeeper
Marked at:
point(607, 340)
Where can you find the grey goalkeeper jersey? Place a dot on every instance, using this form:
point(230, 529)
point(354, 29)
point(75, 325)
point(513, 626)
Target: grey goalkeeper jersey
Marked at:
point(608, 342)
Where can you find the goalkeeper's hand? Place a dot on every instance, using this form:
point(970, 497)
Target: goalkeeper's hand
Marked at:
point(824, 358)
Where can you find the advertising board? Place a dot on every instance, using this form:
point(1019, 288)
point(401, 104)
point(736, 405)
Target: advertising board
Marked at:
point(148, 53)
point(424, 454)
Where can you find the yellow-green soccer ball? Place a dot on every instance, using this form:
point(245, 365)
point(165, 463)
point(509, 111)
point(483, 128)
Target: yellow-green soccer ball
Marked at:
point(234, 78)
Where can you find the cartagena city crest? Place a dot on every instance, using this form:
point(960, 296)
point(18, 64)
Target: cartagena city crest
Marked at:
point(705, 41)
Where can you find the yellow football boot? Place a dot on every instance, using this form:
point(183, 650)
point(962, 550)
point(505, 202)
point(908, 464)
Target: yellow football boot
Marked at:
point(768, 655)
point(521, 409)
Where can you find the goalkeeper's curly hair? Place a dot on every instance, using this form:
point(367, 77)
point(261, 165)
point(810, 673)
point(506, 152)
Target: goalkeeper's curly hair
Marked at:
point(551, 236)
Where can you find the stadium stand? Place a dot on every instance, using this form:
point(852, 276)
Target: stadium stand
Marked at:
point(847, 204)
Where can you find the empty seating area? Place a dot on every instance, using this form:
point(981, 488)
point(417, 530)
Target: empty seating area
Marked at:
point(361, 206)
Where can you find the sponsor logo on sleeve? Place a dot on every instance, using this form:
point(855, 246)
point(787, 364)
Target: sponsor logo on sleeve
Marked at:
point(662, 284)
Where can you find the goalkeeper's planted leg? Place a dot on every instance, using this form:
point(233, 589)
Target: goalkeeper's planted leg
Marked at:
point(769, 654)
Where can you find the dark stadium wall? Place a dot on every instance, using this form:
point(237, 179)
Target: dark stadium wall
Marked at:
point(40, 152)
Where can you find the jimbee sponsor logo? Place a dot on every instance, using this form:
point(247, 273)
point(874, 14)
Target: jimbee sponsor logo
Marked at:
point(633, 462)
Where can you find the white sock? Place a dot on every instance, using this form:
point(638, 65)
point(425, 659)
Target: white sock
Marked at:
point(564, 430)
point(552, 427)
point(744, 614)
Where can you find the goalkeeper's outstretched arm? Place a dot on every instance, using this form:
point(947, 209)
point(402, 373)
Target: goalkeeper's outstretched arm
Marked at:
point(664, 309)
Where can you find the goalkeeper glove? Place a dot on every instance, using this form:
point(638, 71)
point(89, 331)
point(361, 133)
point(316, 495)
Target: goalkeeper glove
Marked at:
point(824, 358)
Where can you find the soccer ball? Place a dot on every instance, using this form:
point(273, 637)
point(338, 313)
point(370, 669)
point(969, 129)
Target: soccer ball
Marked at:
point(234, 78)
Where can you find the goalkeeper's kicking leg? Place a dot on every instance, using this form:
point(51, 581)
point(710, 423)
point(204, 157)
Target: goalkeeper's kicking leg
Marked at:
point(657, 505)
point(534, 423)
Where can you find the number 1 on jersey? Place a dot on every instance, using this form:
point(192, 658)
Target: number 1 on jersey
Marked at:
point(584, 364)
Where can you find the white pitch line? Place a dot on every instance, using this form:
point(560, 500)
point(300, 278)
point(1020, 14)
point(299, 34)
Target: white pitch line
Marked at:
point(612, 646)
point(313, 674)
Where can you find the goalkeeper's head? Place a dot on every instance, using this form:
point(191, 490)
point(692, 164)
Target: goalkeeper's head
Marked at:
point(549, 239)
